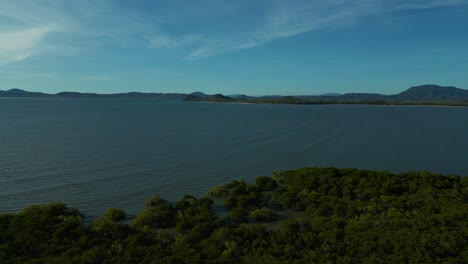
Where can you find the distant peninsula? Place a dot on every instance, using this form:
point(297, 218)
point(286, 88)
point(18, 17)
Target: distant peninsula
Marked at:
point(417, 95)
point(428, 94)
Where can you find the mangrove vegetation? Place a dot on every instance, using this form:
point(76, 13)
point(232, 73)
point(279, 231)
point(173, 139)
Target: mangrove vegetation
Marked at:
point(339, 216)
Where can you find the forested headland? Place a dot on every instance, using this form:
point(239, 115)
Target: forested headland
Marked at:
point(337, 216)
point(423, 95)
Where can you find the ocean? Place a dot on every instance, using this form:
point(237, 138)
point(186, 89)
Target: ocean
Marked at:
point(98, 153)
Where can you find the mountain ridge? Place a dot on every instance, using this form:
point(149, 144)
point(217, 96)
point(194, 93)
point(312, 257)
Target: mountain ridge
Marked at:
point(15, 92)
point(428, 94)
point(421, 93)
point(432, 92)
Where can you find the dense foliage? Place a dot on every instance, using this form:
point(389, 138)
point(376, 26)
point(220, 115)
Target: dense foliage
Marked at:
point(345, 216)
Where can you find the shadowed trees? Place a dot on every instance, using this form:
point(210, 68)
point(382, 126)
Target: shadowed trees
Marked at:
point(332, 216)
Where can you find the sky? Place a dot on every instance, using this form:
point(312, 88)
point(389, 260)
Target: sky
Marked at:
point(290, 47)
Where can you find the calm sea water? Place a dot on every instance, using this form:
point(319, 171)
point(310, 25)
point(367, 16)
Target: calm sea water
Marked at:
point(100, 153)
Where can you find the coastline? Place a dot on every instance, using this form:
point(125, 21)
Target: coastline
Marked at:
point(432, 104)
point(327, 210)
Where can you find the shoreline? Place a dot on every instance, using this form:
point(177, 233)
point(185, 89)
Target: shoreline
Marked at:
point(326, 209)
point(339, 103)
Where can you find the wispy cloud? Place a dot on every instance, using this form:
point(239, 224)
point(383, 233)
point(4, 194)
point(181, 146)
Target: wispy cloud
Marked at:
point(285, 19)
point(65, 28)
point(202, 29)
point(21, 44)
point(421, 4)
point(27, 74)
point(166, 41)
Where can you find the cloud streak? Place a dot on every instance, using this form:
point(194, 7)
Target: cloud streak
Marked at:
point(284, 20)
point(291, 18)
point(166, 41)
point(430, 4)
point(65, 28)
point(27, 74)
point(22, 44)
point(70, 28)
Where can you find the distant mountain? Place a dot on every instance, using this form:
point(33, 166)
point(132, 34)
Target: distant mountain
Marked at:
point(432, 92)
point(21, 93)
point(348, 97)
point(424, 94)
point(15, 92)
point(178, 96)
point(286, 100)
point(361, 96)
point(221, 97)
point(191, 98)
point(76, 95)
point(121, 95)
point(208, 98)
point(331, 94)
point(199, 94)
point(239, 96)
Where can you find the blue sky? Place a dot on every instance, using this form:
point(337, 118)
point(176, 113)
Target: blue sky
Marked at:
point(244, 46)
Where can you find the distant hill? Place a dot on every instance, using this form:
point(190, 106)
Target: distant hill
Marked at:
point(432, 92)
point(424, 94)
point(76, 95)
point(287, 100)
point(15, 92)
point(22, 93)
point(208, 98)
point(120, 95)
point(361, 96)
point(237, 95)
point(199, 94)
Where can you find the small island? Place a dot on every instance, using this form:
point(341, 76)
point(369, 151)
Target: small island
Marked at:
point(308, 215)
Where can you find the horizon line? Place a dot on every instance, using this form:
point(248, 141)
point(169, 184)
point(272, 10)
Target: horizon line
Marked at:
point(227, 94)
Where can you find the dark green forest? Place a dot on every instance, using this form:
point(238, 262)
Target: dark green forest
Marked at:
point(309, 215)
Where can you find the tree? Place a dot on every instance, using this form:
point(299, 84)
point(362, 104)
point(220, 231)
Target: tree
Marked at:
point(266, 183)
point(264, 214)
point(109, 225)
point(237, 216)
point(159, 213)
